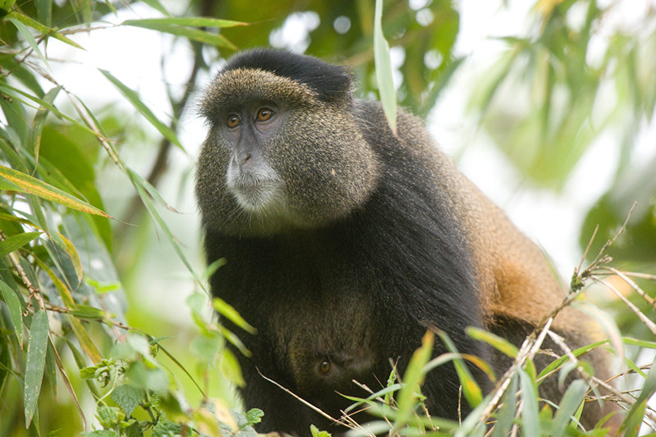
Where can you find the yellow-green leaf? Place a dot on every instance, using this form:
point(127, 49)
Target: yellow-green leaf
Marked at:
point(75, 258)
point(5, 6)
point(85, 341)
point(227, 311)
point(501, 344)
point(46, 191)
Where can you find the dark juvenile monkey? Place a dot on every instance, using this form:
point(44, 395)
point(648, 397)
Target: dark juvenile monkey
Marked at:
point(345, 243)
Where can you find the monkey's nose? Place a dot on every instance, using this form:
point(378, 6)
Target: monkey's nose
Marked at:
point(245, 158)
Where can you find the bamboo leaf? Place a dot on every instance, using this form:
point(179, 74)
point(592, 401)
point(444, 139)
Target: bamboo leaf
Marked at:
point(633, 420)
point(569, 405)
point(470, 387)
point(39, 188)
point(172, 26)
point(506, 412)
point(16, 241)
point(22, 28)
point(14, 306)
point(75, 258)
point(136, 101)
point(36, 361)
point(227, 311)
point(63, 290)
point(44, 11)
point(384, 69)
point(145, 198)
point(45, 31)
point(185, 21)
point(40, 120)
point(530, 412)
point(85, 341)
point(15, 93)
point(412, 380)
point(501, 344)
point(155, 4)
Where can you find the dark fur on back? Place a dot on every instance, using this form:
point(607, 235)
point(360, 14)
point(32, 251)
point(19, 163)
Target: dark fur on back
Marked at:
point(330, 82)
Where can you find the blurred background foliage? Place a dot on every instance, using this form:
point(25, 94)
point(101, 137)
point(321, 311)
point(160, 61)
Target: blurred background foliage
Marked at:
point(573, 76)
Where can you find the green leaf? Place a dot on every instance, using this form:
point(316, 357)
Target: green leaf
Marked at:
point(35, 365)
point(39, 188)
point(559, 362)
point(15, 312)
point(46, 31)
point(127, 397)
point(470, 387)
point(22, 28)
point(633, 420)
point(412, 380)
point(253, 416)
point(109, 417)
point(568, 407)
point(85, 340)
point(530, 414)
point(185, 21)
point(89, 312)
point(40, 120)
point(5, 6)
point(227, 311)
point(316, 433)
point(138, 104)
point(155, 4)
point(176, 26)
point(165, 428)
point(384, 69)
point(501, 344)
point(506, 413)
point(154, 379)
point(16, 241)
point(99, 433)
point(231, 369)
point(150, 207)
point(44, 11)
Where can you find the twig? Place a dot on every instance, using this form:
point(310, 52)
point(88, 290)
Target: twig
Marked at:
point(644, 319)
point(34, 291)
point(318, 410)
point(600, 256)
point(633, 285)
point(67, 382)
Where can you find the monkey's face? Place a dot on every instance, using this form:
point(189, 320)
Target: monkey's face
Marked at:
point(277, 157)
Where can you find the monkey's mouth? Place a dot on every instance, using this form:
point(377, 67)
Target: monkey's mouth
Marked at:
point(257, 195)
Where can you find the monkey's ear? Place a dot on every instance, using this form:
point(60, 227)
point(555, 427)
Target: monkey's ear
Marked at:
point(332, 83)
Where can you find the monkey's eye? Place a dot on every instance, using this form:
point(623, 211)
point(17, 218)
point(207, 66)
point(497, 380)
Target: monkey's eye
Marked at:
point(233, 120)
point(264, 114)
point(324, 367)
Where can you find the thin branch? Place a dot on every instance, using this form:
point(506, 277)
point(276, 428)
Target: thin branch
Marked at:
point(318, 410)
point(633, 285)
point(644, 319)
point(34, 291)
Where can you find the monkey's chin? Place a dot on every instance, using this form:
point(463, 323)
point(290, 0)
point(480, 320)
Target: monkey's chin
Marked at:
point(262, 199)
